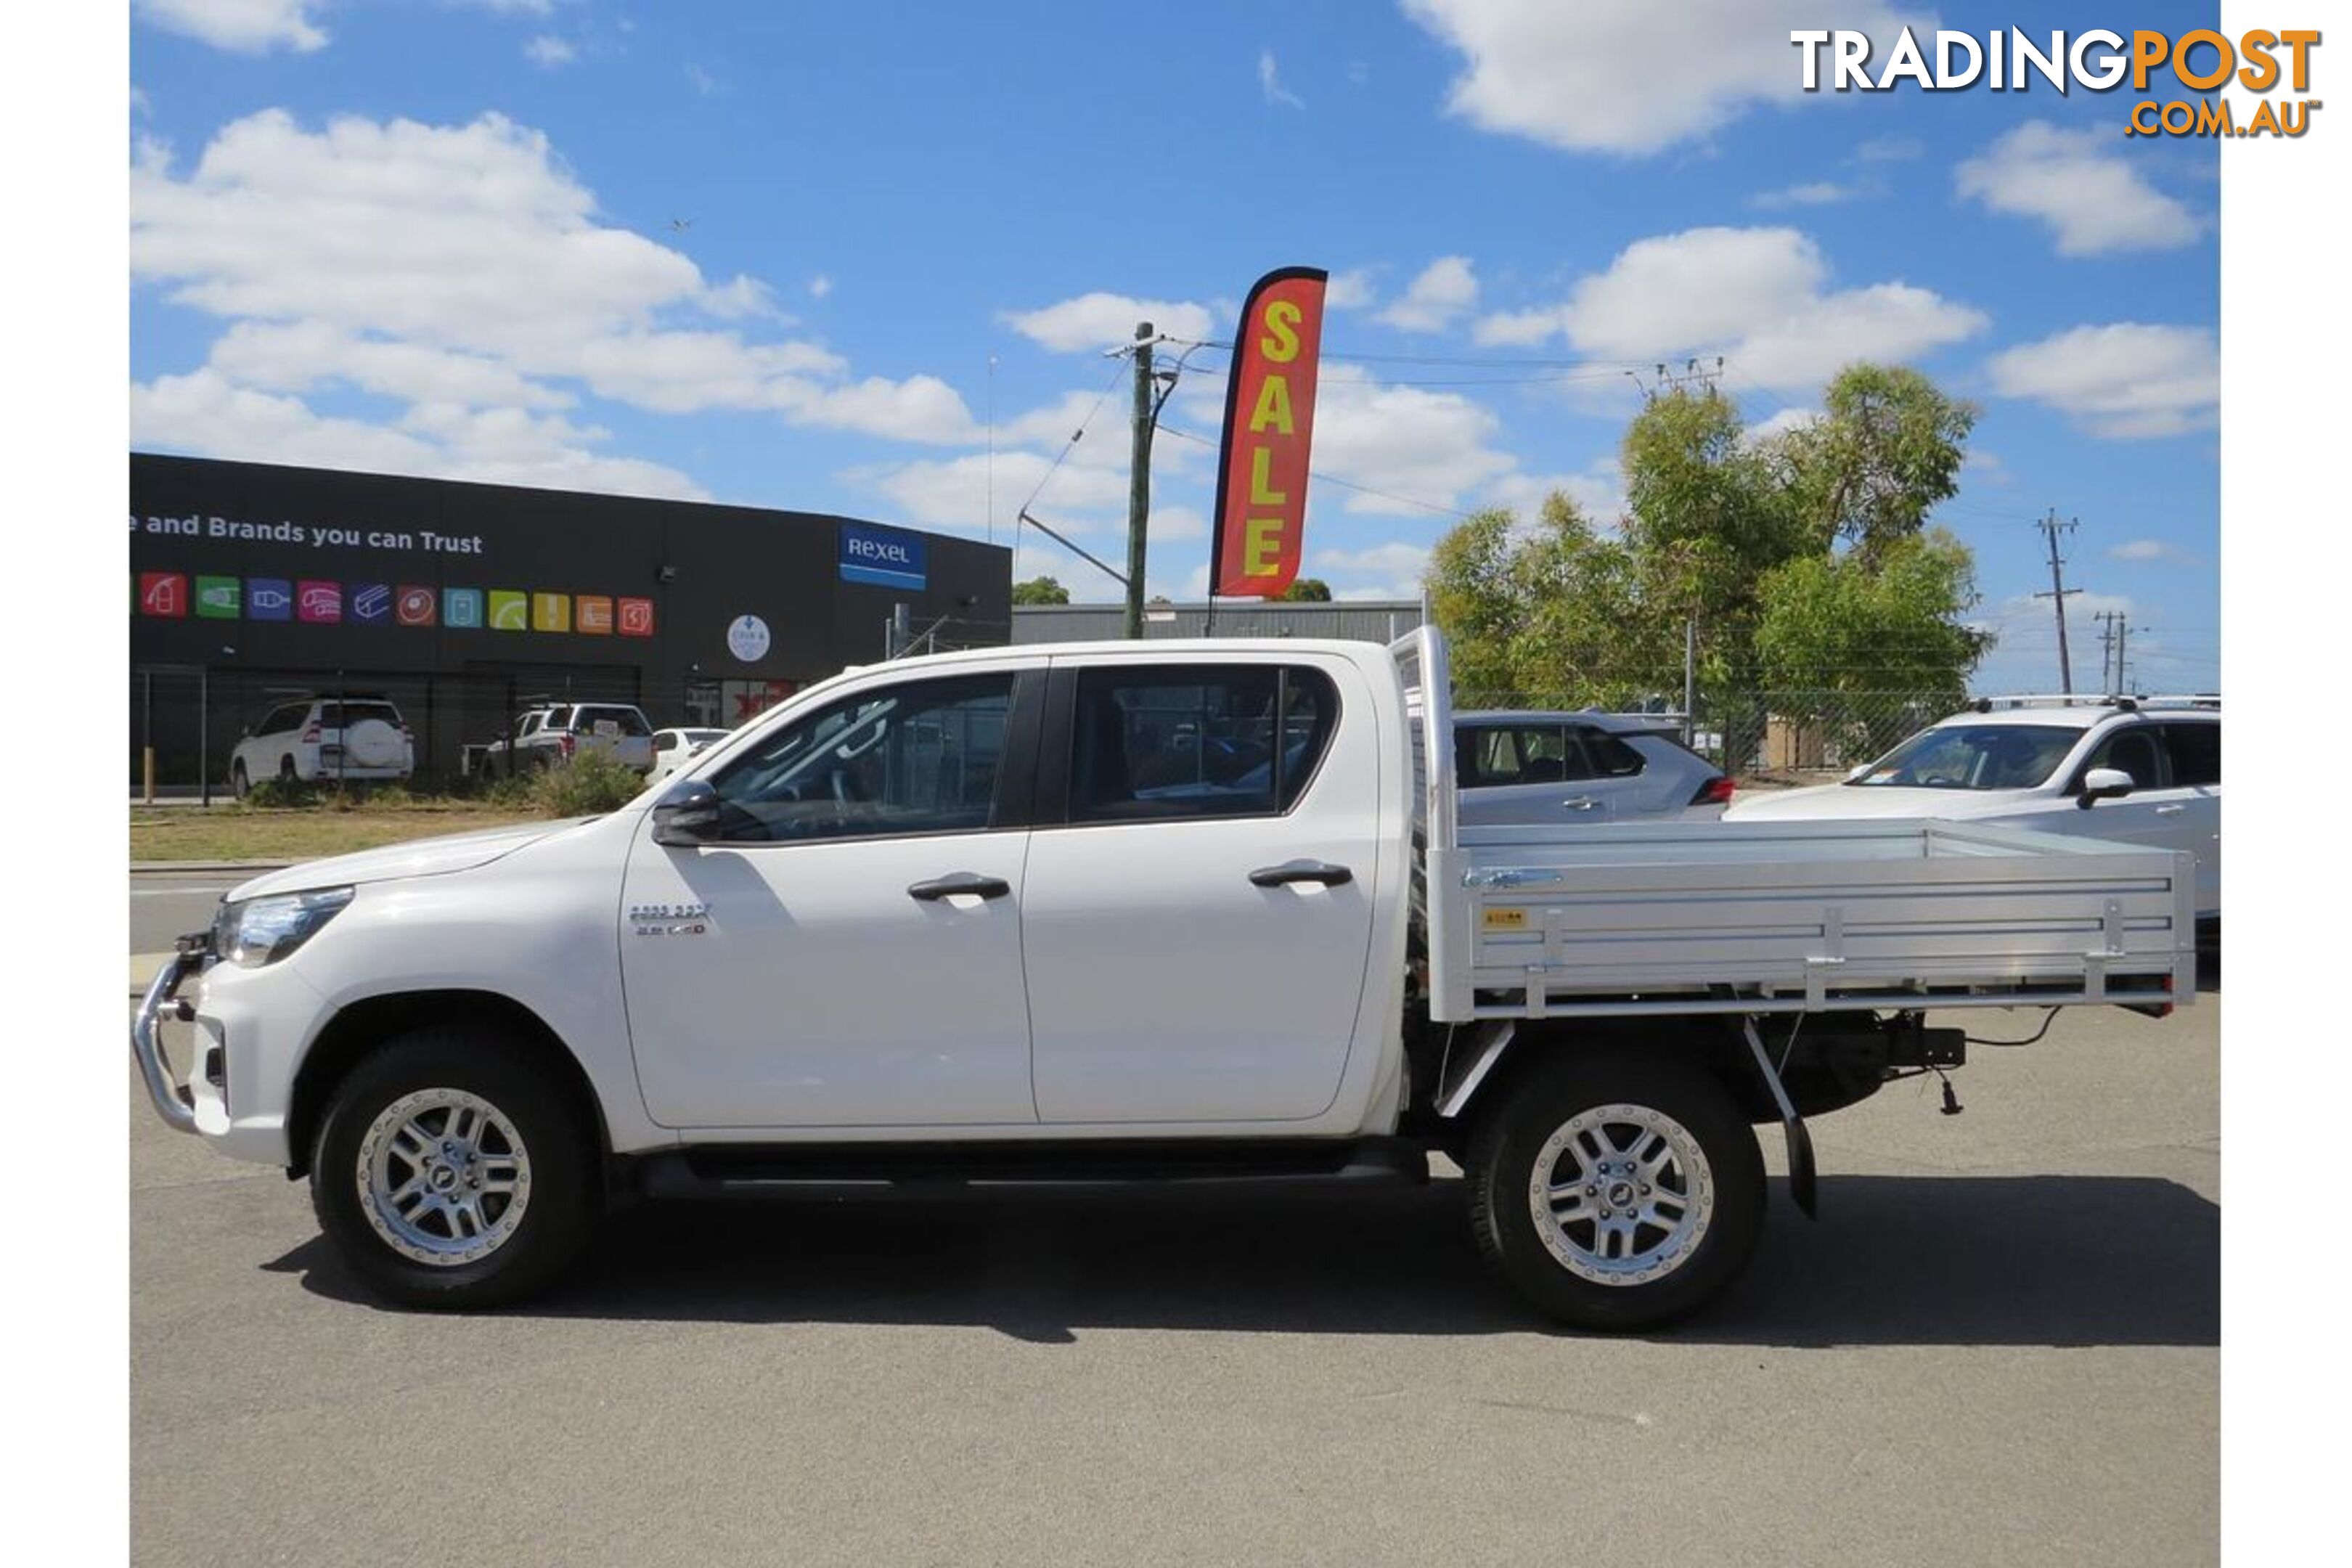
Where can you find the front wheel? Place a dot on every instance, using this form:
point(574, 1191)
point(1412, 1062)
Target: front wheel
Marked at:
point(1617, 1192)
point(451, 1173)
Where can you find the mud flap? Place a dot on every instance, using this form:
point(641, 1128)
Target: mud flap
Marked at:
point(1801, 1186)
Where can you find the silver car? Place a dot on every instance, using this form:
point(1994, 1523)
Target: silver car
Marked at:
point(1584, 767)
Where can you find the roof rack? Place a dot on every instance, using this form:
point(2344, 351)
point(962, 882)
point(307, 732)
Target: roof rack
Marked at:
point(2210, 700)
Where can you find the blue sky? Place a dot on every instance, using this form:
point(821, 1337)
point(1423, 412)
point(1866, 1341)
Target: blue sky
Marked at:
point(790, 255)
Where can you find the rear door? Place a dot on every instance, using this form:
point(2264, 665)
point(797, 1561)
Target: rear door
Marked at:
point(2194, 746)
point(1199, 900)
point(2160, 812)
point(1533, 771)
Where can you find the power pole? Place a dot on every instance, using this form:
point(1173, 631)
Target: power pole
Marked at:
point(1138, 484)
point(2050, 527)
point(2107, 619)
point(2122, 631)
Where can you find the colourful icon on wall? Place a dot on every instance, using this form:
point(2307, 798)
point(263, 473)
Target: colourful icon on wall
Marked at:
point(634, 617)
point(415, 606)
point(319, 603)
point(163, 593)
point(591, 615)
point(268, 599)
point(551, 612)
point(372, 603)
point(461, 607)
point(509, 610)
point(218, 598)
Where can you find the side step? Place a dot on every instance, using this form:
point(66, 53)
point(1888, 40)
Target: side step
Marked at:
point(717, 1171)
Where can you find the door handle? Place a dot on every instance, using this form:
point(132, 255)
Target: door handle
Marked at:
point(957, 884)
point(2171, 810)
point(1580, 802)
point(1291, 871)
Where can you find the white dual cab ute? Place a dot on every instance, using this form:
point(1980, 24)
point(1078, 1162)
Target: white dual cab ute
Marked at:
point(1118, 911)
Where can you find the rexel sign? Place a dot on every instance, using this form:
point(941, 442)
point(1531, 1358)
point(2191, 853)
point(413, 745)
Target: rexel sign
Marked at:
point(883, 557)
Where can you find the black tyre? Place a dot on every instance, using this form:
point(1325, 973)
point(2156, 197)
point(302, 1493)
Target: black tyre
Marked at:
point(239, 785)
point(286, 774)
point(450, 1173)
point(1616, 1192)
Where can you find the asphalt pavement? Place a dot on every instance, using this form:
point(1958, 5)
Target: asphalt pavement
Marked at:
point(1999, 1345)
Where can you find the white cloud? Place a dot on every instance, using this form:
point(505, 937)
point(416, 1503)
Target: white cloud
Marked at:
point(1780, 424)
point(1889, 150)
point(820, 286)
point(1418, 448)
point(1101, 320)
point(547, 52)
point(1349, 290)
point(204, 412)
point(1809, 194)
point(2080, 183)
point(2124, 380)
point(1388, 571)
point(244, 27)
point(1446, 289)
point(1756, 296)
point(1269, 82)
point(460, 267)
point(1620, 76)
point(1599, 490)
point(2151, 550)
point(708, 85)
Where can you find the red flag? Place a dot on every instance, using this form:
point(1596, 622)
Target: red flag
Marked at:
point(1261, 518)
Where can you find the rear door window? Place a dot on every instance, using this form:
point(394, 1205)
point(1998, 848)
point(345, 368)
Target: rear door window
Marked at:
point(2196, 751)
point(1500, 755)
point(1610, 757)
point(1169, 742)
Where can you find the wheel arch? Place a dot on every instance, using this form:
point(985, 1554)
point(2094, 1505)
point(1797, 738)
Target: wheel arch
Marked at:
point(1707, 1042)
point(364, 1026)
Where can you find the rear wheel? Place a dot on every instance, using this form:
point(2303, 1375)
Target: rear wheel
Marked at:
point(451, 1173)
point(238, 784)
point(1617, 1192)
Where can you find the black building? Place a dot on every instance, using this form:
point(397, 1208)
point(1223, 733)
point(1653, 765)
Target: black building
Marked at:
point(252, 584)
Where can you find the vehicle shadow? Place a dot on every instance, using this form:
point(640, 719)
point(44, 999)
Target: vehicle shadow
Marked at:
point(2031, 1260)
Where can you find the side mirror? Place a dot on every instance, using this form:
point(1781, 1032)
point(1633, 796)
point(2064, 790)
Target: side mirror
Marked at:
point(1856, 772)
point(2104, 784)
point(686, 816)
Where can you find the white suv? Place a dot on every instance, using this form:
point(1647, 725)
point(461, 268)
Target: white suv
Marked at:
point(324, 740)
point(2138, 771)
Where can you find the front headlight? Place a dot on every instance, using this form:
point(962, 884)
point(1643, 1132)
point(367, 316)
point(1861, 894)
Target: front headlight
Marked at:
point(262, 930)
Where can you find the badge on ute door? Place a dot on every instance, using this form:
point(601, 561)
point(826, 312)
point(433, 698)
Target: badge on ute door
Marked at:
point(669, 920)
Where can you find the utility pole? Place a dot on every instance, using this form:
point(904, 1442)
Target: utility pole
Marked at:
point(1138, 484)
point(2121, 632)
point(2050, 527)
point(2107, 683)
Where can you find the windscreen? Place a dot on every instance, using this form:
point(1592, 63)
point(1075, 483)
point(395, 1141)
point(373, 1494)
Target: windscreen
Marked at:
point(1973, 756)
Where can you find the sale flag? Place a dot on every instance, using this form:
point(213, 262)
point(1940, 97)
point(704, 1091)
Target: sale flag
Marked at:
point(1261, 518)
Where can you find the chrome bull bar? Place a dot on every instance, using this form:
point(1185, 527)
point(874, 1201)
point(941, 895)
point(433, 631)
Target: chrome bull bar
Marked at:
point(172, 1101)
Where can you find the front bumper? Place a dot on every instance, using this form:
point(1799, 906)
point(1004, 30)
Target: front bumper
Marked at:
point(172, 1100)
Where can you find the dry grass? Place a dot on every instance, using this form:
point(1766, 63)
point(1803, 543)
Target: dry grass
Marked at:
point(301, 833)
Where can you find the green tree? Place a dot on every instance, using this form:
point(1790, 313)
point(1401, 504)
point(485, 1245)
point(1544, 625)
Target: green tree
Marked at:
point(1308, 591)
point(1886, 448)
point(1797, 557)
point(1039, 591)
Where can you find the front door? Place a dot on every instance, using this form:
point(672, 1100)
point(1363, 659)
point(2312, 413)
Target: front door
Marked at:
point(848, 952)
point(1198, 907)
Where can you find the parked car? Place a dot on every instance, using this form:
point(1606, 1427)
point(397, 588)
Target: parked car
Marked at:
point(1579, 767)
point(1129, 911)
point(2135, 771)
point(560, 732)
point(674, 748)
point(324, 740)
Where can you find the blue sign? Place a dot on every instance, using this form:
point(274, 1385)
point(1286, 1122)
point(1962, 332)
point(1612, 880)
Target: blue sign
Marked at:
point(884, 557)
point(268, 599)
point(372, 603)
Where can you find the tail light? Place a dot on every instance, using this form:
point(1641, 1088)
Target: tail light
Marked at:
point(565, 745)
point(1716, 791)
point(311, 734)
